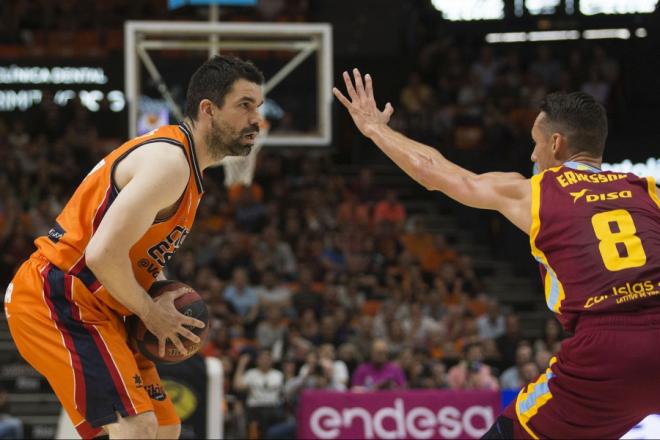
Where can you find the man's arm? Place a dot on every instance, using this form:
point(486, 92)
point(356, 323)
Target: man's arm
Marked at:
point(152, 178)
point(508, 193)
point(240, 384)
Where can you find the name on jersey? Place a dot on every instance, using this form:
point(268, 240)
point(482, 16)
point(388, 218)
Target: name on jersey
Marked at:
point(163, 251)
point(590, 198)
point(570, 177)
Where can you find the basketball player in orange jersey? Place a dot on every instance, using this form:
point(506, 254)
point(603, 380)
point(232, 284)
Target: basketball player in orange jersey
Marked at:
point(66, 304)
point(596, 235)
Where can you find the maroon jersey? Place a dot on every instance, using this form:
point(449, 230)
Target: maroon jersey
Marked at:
point(596, 235)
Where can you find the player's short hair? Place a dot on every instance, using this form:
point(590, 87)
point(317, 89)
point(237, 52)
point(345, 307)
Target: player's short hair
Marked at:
point(214, 79)
point(580, 118)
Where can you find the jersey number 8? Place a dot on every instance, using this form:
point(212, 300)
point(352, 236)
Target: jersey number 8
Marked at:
point(616, 232)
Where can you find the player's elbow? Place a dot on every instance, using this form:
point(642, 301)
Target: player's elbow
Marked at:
point(98, 255)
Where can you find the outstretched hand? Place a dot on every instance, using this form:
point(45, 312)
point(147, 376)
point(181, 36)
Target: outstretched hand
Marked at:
point(362, 105)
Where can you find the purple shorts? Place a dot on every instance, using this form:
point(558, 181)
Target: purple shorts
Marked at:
point(603, 381)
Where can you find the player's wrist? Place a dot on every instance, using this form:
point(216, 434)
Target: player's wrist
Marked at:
point(376, 129)
point(146, 310)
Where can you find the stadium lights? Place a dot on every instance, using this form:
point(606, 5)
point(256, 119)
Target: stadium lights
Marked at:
point(597, 34)
point(553, 35)
point(518, 37)
point(506, 37)
point(563, 35)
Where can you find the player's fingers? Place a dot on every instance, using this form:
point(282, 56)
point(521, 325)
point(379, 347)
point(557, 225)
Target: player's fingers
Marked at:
point(388, 110)
point(180, 292)
point(161, 347)
point(359, 86)
point(178, 344)
point(192, 322)
point(346, 103)
point(369, 86)
point(189, 335)
point(349, 86)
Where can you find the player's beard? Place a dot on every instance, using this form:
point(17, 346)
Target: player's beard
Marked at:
point(223, 141)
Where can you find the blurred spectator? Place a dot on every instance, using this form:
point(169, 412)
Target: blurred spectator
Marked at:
point(486, 67)
point(318, 372)
point(264, 386)
point(546, 67)
point(596, 86)
point(552, 334)
point(529, 372)
point(378, 373)
point(365, 188)
point(513, 378)
point(416, 96)
point(334, 371)
point(491, 324)
point(242, 296)
point(272, 293)
point(272, 329)
point(471, 373)
point(281, 256)
point(306, 294)
point(10, 427)
point(607, 67)
point(353, 212)
point(390, 210)
point(507, 344)
point(350, 356)
point(542, 359)
point(470, 98)
point(417, 326)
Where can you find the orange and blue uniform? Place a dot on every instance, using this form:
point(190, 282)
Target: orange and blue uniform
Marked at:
point(596, 236)
point(69, 327)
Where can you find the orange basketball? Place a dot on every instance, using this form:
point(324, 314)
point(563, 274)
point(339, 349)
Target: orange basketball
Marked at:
point(190, 304)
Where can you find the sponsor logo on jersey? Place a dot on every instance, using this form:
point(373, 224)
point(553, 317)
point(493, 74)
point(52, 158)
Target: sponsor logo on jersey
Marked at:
point(577, 195)
point(162, 252)
point(156, 392)
point(591, 198)
point(568, 178)
point(56, 233)
point(626, 293)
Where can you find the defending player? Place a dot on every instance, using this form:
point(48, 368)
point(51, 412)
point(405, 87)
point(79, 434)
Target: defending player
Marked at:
point(596, 236)
point(67, 303)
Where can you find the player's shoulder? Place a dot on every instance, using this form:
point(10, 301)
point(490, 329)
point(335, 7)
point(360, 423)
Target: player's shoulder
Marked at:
point(164, 159)
point(173, 134)
point(162, 162)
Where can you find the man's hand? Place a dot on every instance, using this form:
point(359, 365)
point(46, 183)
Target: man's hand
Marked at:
point(166, 322)
point(362, 105)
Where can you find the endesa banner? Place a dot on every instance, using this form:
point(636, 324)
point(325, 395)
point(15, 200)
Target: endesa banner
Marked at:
point(397, 414)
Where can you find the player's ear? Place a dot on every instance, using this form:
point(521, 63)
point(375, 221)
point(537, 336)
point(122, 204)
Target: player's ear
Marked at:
point(558, 145)
point(206, 107)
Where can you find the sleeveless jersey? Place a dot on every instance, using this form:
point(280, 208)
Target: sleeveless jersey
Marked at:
point(65, 244)
point(596, 235)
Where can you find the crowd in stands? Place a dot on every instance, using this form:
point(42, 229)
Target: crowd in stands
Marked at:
point(91, 28)
point(486, 98)
point(314, 279)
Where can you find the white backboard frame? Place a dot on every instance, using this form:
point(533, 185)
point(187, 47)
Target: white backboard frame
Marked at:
point(304, 38)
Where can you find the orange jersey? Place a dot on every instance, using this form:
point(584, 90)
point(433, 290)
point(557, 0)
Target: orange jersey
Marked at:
point(65, 244)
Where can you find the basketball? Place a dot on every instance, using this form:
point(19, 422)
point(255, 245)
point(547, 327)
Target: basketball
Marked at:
point(190, 304)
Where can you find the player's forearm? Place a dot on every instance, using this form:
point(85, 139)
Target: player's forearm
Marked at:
point(116, 275)
point(424, 164)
